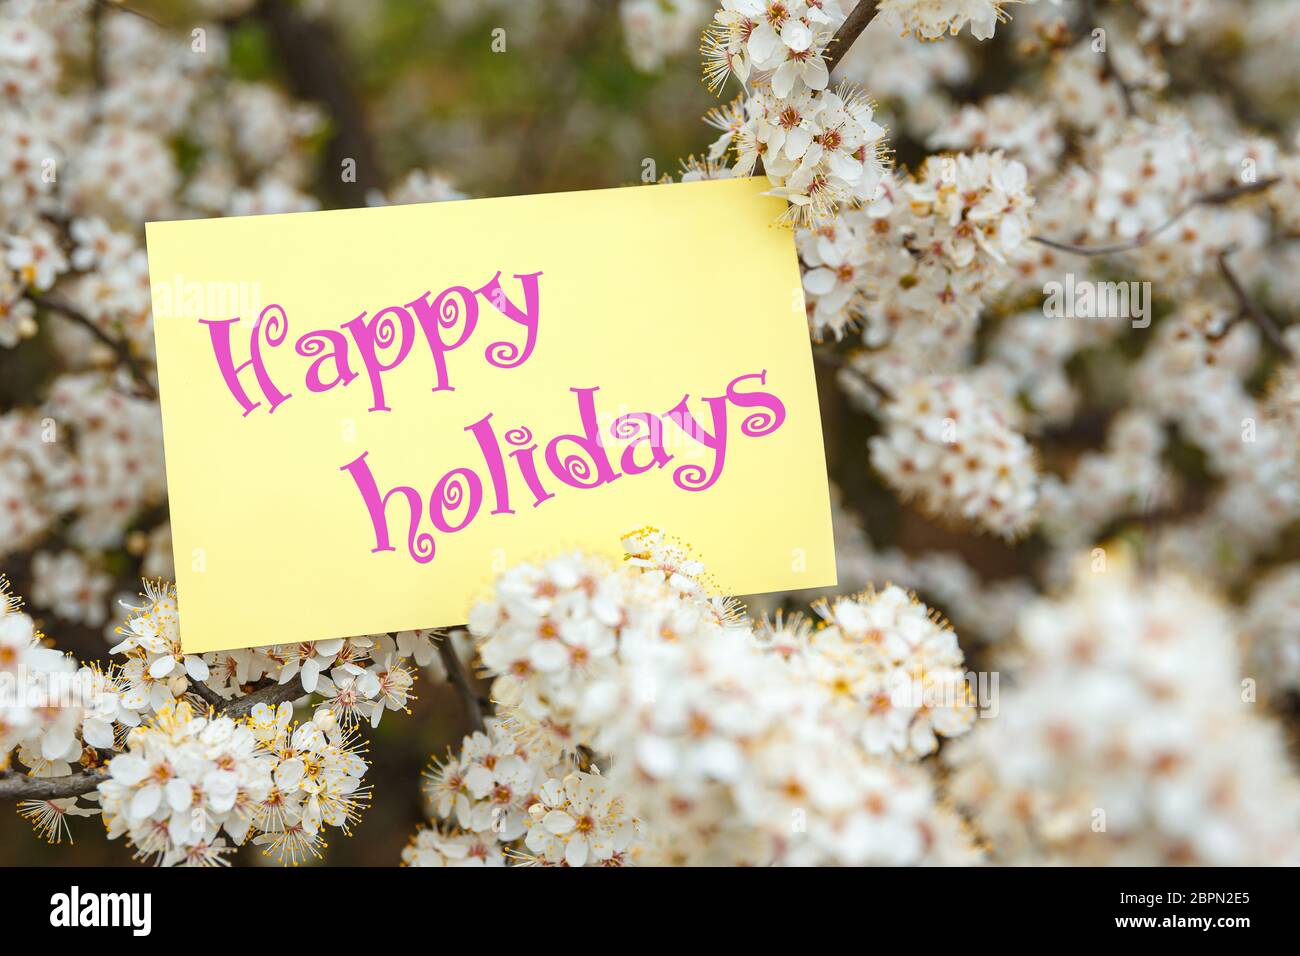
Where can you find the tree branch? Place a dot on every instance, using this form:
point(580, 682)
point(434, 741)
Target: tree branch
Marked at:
point(1125, 91)
point(98, 73)
point(1222, 196)
point(1251, 309)
point(270, 695)
point(1217, 198)
point(1127, 246)
point(841, 366)
point(314, 64)
point(114, 5)
point(120, 348)
point(207, 694)
point(1108, 61)
point(849, 32)
point(18, 786)
point(459, 680)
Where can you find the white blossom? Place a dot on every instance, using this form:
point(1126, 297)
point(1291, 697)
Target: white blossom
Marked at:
point(950, 449)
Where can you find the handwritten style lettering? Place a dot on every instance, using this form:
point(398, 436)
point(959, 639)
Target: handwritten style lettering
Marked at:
point(578, 459)
point(379, 342)
point(510, 469)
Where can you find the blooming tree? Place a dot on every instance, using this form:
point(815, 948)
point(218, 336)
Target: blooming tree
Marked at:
point(1049, 266)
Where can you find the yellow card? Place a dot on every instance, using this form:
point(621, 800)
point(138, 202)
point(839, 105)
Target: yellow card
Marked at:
point(368, 414)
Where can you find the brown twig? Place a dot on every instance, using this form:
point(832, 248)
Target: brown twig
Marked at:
point(459, 680)
point(98, 70)
point(829, 359)
point(840, 43)
point(206, 694)
point(120, 348)
point(1251, 309)
point(314, 64)
point(849, 32)
point(1109, 69)
point(1112, 71)
point(17, 786)
point(841, 366)
point(1127, 246)
point(114, 5)
point(1217, 198)
point(271, 695)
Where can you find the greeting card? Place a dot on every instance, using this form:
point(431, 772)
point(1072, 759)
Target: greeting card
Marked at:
point(370, 413)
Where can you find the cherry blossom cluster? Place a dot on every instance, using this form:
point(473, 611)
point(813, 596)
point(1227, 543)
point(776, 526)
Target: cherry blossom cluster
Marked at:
point(183, 781)
point(190, 787)
point(1127, 477)
point(642, 720)
point(29, 724)
point(1270, 621)
point(1194, 377)
point(355, 680)
point(1148, 191)
point(1128, 737)
point(891, 667)
point(820, 147)
point(511, 797)
point(928, 250)
point(908, 78)
point(1025, 362)
point(1022, 129)
point(89, 453)
point(184, 784)
point(949, 449)
point(934, 19)
point(1173, 19)
point(1085, 93)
